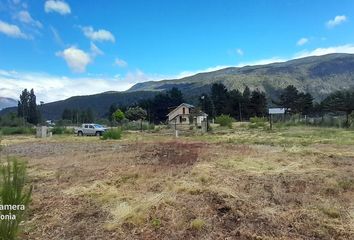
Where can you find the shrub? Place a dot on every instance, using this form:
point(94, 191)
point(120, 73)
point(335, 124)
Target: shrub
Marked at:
point(258, 122)
point(224, 120)
point(114, 134)
point(57, 130)
point(13, 192)
point(61, 130)
point(197, 224)
point(17, 130)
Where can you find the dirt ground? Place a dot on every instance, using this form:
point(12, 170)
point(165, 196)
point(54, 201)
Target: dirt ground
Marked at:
point(223, 186)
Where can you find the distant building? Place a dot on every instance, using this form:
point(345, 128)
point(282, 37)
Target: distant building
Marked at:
point(186, 114)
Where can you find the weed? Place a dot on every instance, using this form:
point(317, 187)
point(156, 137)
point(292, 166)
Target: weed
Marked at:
point(13, 193)
point(346, 184)
point(197, 224)
point(156, 223)
point(331, 212)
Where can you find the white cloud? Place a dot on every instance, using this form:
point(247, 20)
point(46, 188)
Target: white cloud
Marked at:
point(95, 51)
point(302, 41)
point(336, 21)
point(11, 30)
point(76, 59)
point(52, 88)
point(348, 48)
point(239, 51)
point(58, 6)
point(120, 62)
point(49, 88)
point(100, 35)
point(25, 17)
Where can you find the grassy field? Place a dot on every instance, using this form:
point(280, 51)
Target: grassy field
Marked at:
point(240, 183)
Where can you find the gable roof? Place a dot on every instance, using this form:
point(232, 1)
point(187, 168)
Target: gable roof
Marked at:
point(182, 104)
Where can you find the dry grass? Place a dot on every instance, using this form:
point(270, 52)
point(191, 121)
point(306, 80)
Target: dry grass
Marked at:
point(295, 183)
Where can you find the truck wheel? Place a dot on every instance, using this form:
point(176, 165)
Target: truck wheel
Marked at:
point(80, 133)
point(98, 133)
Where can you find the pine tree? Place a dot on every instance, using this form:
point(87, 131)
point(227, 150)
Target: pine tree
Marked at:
point(27, 107)
point(219, 96)
point(258, 104)
point(245, 105)
point(33, 112)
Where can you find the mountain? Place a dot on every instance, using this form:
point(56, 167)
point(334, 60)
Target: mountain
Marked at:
point(318, 75)
point(99, 103)
point(7, 102)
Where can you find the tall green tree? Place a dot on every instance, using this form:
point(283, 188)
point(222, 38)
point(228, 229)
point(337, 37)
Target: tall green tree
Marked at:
point(341, 101)
point(118, 115)
point(289, 99)
point(219, 96)
point(27, 107)
point(23, 105)
point(234, 104)
point(304, 103)
point(258, 104)
point(135, 113)
point(246, 103)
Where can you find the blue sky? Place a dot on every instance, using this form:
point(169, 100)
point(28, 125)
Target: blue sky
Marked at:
point(65, 48)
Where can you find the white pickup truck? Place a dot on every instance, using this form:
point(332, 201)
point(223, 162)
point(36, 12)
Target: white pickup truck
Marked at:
point(90, 129)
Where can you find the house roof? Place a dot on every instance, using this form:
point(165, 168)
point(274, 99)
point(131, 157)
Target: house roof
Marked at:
point(182, 104)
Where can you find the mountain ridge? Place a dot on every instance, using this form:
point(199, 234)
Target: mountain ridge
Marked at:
point(318, 75)
point(307, 74)
point(6, 102)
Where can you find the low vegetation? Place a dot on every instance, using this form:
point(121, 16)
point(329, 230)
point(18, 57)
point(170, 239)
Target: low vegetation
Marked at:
point(224, 121)
point(113, 134)
point(13, 193)
point(294, 182)
point(61, 130)
point(17, 130)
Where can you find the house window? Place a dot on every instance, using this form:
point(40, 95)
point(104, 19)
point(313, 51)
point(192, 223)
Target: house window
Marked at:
point(184, 111)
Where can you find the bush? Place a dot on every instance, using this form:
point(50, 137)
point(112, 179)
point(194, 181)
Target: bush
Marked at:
point(61, 130)
point(13, 192)
point(57, 130)
point(258, 122)
point(114, 134)
point(224, 120)
point(17, 130)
